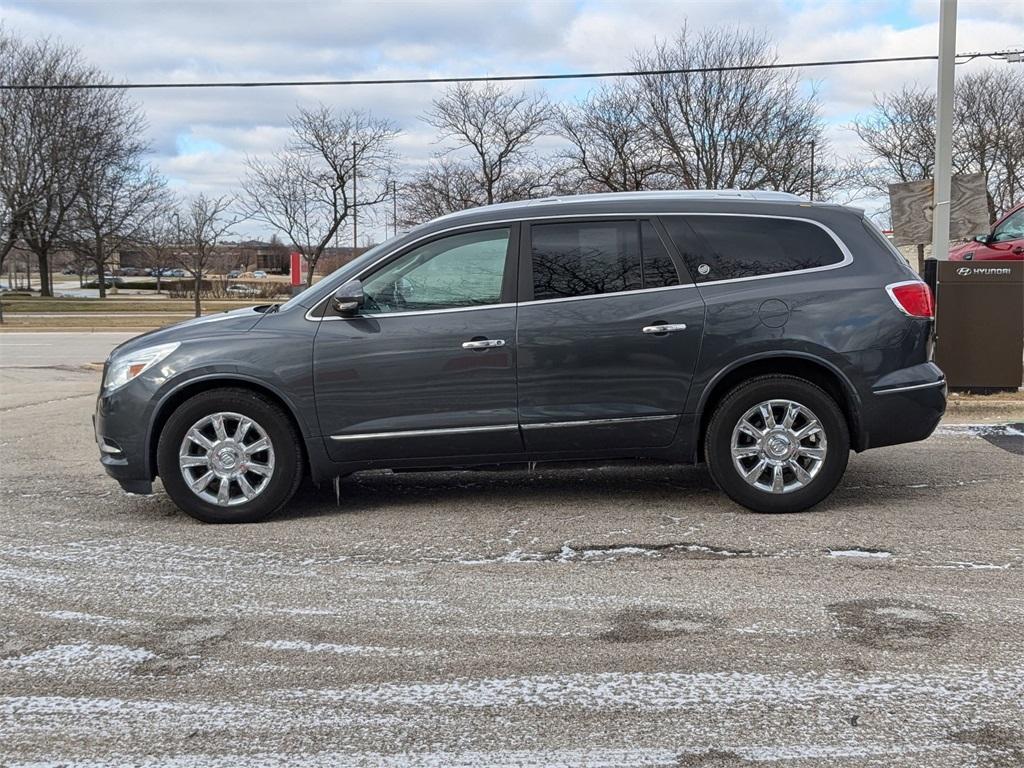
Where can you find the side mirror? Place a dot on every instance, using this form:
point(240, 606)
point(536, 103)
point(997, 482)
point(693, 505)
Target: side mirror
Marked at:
point(349, 298)
point(984, 239)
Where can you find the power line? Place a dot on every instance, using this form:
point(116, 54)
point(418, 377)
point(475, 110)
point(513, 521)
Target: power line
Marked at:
point(495, 78)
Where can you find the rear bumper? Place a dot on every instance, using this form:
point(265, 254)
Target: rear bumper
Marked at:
point(903, 407)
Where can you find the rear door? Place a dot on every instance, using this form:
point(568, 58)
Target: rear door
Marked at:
point(608, 333)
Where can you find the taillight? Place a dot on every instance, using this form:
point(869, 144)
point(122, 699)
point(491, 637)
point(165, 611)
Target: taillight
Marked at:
point(913, 298)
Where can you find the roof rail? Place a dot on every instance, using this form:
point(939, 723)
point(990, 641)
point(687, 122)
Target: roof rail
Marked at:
point(667, 194)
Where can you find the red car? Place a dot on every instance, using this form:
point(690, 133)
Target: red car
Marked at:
point(1006, 243)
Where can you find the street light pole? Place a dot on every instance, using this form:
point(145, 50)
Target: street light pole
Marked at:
point(944, 131)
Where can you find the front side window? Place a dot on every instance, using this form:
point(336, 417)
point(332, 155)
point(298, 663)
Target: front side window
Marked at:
point(731, 247)
point(597, 257)
point(463, 270)
point(1010, 229)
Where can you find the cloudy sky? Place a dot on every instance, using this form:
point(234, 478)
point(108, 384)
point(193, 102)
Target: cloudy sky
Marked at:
point(201, 137)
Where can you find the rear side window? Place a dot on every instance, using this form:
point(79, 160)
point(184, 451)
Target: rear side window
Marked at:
point(595, 257)
point(730, 247)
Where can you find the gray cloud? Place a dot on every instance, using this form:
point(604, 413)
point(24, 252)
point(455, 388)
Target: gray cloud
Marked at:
point(242, 40)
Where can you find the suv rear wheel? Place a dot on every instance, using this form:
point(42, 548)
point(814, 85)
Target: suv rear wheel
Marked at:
point(777, 444)
point(229, 456)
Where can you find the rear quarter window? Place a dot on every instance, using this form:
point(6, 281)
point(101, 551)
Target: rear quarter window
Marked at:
point(730, 247)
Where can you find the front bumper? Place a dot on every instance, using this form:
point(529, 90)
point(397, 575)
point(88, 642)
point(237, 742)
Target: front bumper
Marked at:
point(119, 426)
point(904, 407)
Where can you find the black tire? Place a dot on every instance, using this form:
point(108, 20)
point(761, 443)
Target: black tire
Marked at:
point(748, 395)
point(288, 466)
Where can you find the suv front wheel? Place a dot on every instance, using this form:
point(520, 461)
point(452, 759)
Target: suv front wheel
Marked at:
point(777, 444)
point(229, 456)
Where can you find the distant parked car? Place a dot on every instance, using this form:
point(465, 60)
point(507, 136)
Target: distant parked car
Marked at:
point(1005, 243)
point(242, 290)
point(259, 274)
point(234, 274)
point(69, 271)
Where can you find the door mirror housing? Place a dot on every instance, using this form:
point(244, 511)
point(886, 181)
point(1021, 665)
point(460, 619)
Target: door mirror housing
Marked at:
point(348, 299)
point(984, 239)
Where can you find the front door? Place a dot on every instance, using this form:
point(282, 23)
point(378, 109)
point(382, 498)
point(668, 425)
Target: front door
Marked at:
point(1007, 240)
point(427, 368)
point(608, 333)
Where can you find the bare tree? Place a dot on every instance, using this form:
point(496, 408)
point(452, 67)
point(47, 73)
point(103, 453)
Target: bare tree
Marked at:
point(305, 190)
point(54, 140)
point(113, 208)
point(609, 146)
point(988, 135)
point(498, 127)
point(158, 240)
point(732, 128)
point(446, 185)
point(200, 228)
point(899, 138)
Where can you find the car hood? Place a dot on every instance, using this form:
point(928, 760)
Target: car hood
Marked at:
point(208, 326)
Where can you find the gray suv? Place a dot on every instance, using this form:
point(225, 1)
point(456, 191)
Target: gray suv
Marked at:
point(757, 332)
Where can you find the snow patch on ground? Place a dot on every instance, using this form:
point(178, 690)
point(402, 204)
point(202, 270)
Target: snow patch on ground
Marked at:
point(81, 658)
point(969, 566)
point(880, 553)
point(612, 757)
point(978, 430)
point(88, 618)
point(346, 650)
point(667, 691)
point(570, 554)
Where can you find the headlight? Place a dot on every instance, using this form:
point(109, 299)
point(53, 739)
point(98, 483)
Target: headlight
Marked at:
point(127, 366)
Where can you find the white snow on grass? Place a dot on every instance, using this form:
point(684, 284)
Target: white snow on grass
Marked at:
point(85, 658)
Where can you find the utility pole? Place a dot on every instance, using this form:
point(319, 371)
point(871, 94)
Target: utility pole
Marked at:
point(944, 130)
point(394, 206)
point(355, 210)
point(812, 170)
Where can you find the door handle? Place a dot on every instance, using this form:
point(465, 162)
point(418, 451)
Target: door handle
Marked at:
point(483, 343)
point(664, 328)
point(1019, 249)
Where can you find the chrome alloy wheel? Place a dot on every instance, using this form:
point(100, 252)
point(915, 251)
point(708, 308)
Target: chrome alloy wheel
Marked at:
point(226, 459)
point(779, 446)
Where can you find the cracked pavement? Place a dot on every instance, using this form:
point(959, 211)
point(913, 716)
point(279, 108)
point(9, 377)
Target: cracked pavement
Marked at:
point(624, 615)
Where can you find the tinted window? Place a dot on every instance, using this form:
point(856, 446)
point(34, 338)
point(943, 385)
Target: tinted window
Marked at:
point(728, 247)
point(659, 270)
point(585, 258)
point(459, 271)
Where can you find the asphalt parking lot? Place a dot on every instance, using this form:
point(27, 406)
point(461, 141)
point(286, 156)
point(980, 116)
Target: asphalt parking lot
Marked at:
point(583, 617)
